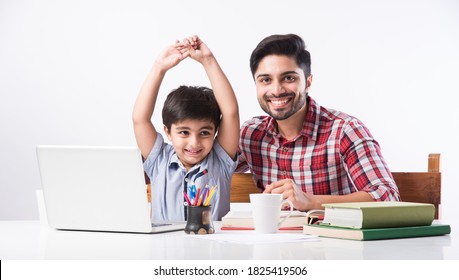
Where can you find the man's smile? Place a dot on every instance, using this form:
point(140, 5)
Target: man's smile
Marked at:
point(281, 101)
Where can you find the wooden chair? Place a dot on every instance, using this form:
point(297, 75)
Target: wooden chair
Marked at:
point(147, 181)
point(422, 186)
point(413, 186)
point(242, 185)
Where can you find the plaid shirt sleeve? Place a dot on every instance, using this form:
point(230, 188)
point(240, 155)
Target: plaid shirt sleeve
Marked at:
point(365, 163)
point(242, 165)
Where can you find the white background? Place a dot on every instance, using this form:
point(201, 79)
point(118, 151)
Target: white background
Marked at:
point(70, 72)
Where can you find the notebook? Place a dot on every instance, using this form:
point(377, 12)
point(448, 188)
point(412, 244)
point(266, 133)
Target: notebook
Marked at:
point(96, 189)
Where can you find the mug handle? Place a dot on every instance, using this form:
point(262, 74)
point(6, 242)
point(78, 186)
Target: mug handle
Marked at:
point(288, 215)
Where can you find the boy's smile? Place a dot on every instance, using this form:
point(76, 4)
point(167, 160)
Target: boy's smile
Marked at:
point(192, 140)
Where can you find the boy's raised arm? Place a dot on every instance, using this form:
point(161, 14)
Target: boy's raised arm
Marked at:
point(228, 132)
point(145, 133)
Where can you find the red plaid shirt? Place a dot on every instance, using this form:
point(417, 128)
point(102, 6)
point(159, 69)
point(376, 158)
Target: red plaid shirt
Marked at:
point(334, 154)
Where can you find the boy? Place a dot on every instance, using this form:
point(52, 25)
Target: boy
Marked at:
point(191, 117)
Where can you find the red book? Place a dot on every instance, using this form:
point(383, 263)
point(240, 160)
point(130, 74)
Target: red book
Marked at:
point(242, 220)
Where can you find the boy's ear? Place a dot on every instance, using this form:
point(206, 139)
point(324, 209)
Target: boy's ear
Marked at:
point(168, 133)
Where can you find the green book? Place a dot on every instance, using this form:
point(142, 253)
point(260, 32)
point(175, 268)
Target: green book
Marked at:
point(376, 233)
point(383, 214)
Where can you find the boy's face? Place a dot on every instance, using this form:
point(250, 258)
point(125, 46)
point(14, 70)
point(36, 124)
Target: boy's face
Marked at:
point(192, 140)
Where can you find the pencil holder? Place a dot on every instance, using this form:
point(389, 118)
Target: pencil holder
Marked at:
point(199, 220)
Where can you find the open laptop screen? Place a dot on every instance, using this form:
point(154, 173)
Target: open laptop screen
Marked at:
point(94, 188)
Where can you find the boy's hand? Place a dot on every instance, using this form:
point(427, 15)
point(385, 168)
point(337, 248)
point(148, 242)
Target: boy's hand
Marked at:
point(171, 56)
point(196, 49)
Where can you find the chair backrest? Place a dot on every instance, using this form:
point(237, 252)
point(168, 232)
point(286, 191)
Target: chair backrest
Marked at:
point(413, 186)
point(242, 185)
point(422, 186)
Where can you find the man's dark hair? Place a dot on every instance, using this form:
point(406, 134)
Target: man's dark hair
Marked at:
point(190, 102)
point(290, 45)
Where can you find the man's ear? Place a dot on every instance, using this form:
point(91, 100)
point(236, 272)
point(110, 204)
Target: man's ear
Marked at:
point(308, 82)
point(168, 133)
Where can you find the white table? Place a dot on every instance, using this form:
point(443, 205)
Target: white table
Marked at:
point(34, 240)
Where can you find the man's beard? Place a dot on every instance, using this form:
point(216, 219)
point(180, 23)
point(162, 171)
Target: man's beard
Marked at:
point(283, 114)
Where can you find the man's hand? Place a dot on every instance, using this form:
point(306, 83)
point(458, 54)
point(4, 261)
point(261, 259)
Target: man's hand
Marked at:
point(301, 201)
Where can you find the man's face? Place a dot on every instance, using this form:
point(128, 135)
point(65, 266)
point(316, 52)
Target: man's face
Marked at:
point(281, 86)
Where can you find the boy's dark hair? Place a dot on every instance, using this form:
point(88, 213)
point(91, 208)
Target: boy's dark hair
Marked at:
point(190, 102)
point(290, 45)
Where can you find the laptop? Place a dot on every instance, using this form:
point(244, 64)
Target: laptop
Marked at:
point(97, 189)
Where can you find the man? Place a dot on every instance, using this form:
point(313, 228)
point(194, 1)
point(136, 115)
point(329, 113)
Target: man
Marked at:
point(310, 154)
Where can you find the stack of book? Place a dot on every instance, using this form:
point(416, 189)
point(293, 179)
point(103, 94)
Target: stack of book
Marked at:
point(377, 220)
point(242, 220)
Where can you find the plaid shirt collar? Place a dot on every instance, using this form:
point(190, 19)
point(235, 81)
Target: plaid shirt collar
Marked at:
point(310, 125)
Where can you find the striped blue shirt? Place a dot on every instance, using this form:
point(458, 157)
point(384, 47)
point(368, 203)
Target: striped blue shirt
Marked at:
point(167, 176)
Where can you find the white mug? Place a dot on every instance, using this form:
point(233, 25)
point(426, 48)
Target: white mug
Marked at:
point(266, 209)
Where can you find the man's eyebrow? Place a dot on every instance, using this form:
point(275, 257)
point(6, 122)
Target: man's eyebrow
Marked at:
point(290, 72)
point(282, 74)
point(262, 75)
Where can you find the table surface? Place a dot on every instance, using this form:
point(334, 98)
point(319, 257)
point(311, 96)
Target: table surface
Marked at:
point(35, 240)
